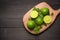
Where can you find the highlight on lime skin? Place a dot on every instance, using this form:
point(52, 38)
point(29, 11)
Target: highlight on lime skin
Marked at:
point(34, 14)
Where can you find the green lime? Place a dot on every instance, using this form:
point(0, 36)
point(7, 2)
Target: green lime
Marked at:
point(47, 19)
point(36, 9)
point(34, 14)
point(39, 20)
point(30, 24)
point(36, 29)
point(40, 14)
point(45, 11)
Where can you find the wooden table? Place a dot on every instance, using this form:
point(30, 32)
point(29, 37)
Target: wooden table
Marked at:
point(11, 26)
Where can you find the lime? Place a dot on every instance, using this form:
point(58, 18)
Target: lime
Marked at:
point(36, 9)
point(40, 14)
point(36, 29)
point(30, 24)
point(45, 11)
point(34, 14)
point(47, 19)
point(39, 20)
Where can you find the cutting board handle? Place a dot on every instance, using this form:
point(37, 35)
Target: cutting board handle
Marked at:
point(58, 11)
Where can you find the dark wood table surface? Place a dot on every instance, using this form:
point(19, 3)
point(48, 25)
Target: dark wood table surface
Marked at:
point(11, 15)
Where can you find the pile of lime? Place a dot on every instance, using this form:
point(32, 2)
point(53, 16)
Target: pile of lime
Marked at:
point(38, 18)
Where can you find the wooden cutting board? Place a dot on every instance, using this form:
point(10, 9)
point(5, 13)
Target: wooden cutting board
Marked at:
point(40, 5)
